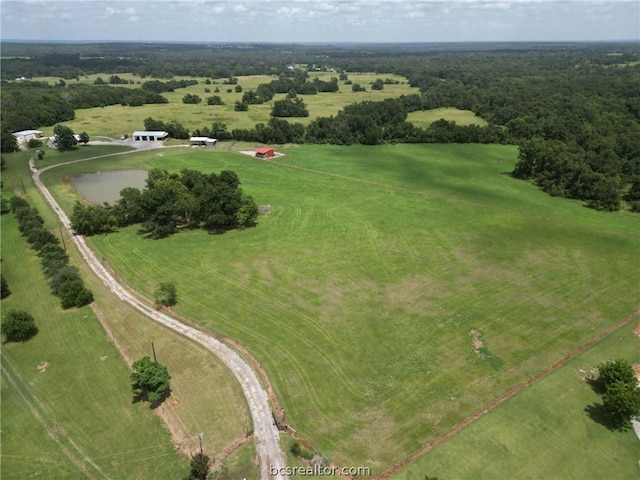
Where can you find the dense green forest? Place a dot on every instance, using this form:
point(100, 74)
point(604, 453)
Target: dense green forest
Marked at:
point(574, 109)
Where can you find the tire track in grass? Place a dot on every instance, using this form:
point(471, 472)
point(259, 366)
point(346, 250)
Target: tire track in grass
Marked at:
point(45, 418)
point(261, 313)
point(293, 331)
point(313, 396)
point(495, 403)
point(455, 199)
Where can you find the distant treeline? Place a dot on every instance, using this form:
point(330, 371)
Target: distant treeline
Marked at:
point(28, 104)
point(574, 109)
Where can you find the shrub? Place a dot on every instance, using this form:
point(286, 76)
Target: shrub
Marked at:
point(18, 326)
point(166, 294)
point(34, 143)
point(4, 287)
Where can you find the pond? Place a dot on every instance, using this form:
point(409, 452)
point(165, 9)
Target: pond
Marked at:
point(100, 187)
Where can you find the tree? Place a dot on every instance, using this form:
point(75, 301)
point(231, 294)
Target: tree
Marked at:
point(289, 107)
point(8, 142)
point(612, 371)
point(4, 206)
point(84, 138)
point(149, 380)
point(73, 293)
point(621, 403)
point(241, 107)
point(92, 219)
point(38, 237)
point(620, 393)
point(18, 326)
point(4, 287)
point(166, 294)
point(215, 100)
point(34, 143)
point(377, 85)
point(191, 98)
point(52, 258)
point(199, 467)
point(64, 137)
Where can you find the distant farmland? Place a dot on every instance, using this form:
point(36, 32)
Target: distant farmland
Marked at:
point(392, 290)
point(116, 120)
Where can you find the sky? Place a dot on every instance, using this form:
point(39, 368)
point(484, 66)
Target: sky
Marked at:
point(324, 21)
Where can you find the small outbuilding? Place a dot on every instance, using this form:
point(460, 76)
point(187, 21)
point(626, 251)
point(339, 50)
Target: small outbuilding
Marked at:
point(52, 142)
point(23, 136)
point(202, 142)
point(149, 136)
point(265, 152)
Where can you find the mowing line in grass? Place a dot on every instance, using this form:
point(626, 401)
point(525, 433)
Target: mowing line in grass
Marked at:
point(450, 198)
point(487, 408)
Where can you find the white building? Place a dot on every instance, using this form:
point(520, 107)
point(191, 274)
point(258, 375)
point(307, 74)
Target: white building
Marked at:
point(24, 136)
point(202, 142)
point(145, 136)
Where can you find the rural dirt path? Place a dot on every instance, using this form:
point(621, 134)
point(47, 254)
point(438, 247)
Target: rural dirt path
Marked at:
point(270, 455)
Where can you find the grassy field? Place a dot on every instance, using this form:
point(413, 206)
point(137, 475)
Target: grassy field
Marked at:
point(83, 394)
point(424, 118)
point(116, 120)
point(544, 431)
point(85, 390)
point(361, 291)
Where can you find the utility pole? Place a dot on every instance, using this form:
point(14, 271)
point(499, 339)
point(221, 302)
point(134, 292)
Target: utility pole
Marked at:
point(22, 183)
point(200, 435)
point(153, 348)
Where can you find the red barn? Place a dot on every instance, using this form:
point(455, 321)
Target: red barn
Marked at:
point(265, 152)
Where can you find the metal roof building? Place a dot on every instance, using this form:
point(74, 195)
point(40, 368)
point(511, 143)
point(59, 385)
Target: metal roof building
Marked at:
point(149, 136)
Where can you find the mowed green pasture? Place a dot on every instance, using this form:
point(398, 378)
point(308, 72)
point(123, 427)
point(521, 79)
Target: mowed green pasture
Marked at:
point(544, 431)
point(125, 440)
point(360, 289)
point(116, 120)
point(83, 394)
point(424, 118)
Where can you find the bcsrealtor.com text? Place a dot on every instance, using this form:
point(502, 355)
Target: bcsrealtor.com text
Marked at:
point(320, 471)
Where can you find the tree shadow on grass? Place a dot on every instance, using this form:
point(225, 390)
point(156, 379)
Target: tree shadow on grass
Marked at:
point(599, 414)
point(221, 229)
point(596, 385)
point(143, 397)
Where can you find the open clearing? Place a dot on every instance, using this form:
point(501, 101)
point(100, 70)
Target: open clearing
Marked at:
point(424, 118)
point(85, 386)
point(115, 120)
point(358, 292)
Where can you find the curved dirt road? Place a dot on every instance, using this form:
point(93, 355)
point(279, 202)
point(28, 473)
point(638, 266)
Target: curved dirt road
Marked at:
point(270, 455)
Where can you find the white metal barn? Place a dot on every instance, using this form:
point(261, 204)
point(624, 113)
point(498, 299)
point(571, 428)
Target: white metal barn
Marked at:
point(152, 136)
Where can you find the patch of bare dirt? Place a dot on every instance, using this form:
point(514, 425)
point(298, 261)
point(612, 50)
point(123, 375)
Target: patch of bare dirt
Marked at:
point(265, 272)
point(42, 367)
point(636, 369)
point(637, 330)
point(103, 358)
point(475, 341)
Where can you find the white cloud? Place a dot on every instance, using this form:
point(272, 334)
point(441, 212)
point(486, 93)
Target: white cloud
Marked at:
point(324, 20)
